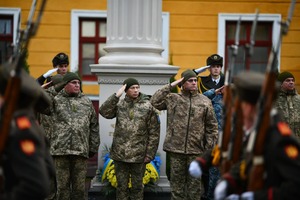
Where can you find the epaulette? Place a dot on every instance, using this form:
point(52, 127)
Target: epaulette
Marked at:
point(284, 129)
point(23, 122)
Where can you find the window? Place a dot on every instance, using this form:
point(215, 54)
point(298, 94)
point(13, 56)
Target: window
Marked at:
point(6, 37)
point(266, 37)
point(8, 31)
point(263, 45)
point(92, 39)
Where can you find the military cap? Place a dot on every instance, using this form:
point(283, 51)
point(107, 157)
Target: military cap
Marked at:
point(130, 82)
point(187, 74)
point(70, 76)
point(248, 86)
point(214, 59)
point(56, 79)
point(29, 89)
point(284, 75)
point(59, 59)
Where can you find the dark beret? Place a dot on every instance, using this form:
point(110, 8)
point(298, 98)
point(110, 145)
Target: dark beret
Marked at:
point(130, 82)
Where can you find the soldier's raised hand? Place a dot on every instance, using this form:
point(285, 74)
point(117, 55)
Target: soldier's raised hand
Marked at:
point(120, 91)
point(173, 84)
point(48, 73)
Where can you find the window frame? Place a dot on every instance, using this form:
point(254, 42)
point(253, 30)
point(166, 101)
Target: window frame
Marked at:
point(16, 15)
point(226, 17)
point(74, 35)
point(96, 40)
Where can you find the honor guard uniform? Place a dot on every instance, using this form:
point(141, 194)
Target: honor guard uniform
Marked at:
point(26, 162)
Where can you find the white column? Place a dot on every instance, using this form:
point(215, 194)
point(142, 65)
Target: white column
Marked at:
point(134, 32)
point(134, 47)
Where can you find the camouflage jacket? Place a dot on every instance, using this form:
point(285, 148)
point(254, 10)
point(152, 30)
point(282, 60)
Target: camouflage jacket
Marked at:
point(137, 128)
point(76, 127)
point(192, 127)
point(288, 106)
point(46, 121)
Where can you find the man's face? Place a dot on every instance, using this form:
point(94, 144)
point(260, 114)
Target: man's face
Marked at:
point(190, 84)
point(215, 70)
point(73, 87)
point(288, 84)
point(133, 92)
point(62, 69)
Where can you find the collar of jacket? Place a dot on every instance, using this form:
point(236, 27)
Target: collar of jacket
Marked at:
point(188, 93)
point(65, 94)
point(141, 97)
point(288, 92)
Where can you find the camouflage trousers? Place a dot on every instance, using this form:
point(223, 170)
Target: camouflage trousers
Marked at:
point(136, 172)
point(183, 185)
point(71, 172)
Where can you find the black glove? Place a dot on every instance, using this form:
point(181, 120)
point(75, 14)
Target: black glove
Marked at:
point(91, 154)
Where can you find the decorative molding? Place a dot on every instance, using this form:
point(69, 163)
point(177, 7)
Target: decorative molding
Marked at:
point(142, 82)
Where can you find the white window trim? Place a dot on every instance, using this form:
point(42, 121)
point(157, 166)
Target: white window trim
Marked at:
point(16, 12)
point(223, 17)
point(76, 14)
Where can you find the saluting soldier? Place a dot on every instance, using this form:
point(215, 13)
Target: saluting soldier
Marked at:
point(60, 65)
point(215, 79)
point(26, 161)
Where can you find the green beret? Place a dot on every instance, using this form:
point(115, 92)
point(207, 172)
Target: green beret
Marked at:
point(187, 74)
point(70, 76)
point(130, 82)
point(284, 75)
point(56, 79)
point(248, 86)
point(214, 59)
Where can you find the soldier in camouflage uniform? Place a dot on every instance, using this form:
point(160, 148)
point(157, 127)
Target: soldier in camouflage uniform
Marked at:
point(192, 128)
point(135, 139)
point(74, 139)
point(288, 102)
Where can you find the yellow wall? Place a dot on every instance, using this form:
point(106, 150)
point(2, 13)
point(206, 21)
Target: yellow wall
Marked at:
point(193, 30)
point(194, 27)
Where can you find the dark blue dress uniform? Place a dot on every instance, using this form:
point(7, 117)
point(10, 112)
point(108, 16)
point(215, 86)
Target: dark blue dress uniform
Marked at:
point(27, 164)
point(282, 167)
point(205, 83)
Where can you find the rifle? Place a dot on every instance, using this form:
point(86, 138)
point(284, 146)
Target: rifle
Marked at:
point(13, 87)
point(236, 138)
point(221, 149)
point(254, 152)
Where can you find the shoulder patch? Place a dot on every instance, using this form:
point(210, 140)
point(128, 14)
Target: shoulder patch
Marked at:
point(27, 146)
point(291, 151)
point(23, 123)
point(284, 128)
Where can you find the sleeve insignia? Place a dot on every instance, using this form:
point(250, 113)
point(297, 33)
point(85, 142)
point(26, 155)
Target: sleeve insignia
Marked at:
point(284, 129)
point(27, 147)
point(291, 151)
point(23, 123)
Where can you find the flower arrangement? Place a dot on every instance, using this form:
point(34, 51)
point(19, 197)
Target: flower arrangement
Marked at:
point(151, 173)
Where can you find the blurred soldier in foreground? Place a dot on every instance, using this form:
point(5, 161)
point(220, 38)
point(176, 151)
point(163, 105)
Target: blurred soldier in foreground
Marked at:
point(281, 157)
point(26, 162)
